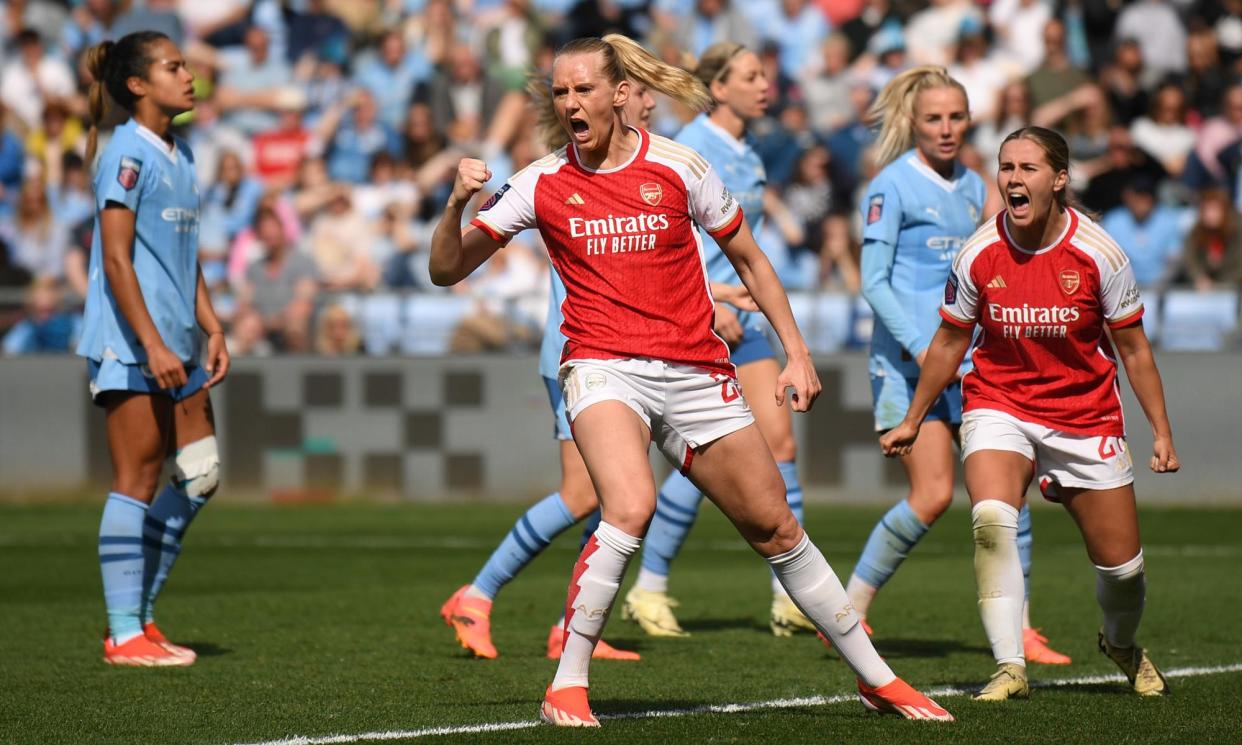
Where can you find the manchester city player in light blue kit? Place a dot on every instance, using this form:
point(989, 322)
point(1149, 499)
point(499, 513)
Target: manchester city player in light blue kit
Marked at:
point(469, 610)
point(147, 308)
point(739, 87)
point(917, 211)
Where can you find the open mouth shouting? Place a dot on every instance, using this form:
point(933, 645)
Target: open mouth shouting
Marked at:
point(1019, 203)
point(580, 129)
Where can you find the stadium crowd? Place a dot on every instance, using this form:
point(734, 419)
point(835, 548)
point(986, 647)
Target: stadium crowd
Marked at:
point(327, 134)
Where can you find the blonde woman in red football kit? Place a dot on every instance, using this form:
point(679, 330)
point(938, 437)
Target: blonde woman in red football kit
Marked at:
point(619, 209)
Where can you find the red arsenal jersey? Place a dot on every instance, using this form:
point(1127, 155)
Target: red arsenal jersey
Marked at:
point(1043, 355)
point(624, 242)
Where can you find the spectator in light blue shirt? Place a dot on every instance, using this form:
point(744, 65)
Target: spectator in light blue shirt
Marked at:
point(46, 328)
point(355, 135)
point(253, 81)
point(797, 26)
point(1147, 231)
point(12, 162)
point(391, 75)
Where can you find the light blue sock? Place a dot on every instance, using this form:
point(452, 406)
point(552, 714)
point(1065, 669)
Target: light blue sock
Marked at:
point(889, 545)
point(170, 515)
point(532, 533)
point(121, 564)
point(793, 495)
point(677, 505)
point(588, 527)
point(793, 487)
point(1024, 546)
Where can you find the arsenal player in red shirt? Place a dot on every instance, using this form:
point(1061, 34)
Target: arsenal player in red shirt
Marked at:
point(1048, 287)
point(618, 209)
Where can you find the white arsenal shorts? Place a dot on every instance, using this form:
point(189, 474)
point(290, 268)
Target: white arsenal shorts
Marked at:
point(1062, 459)
point(684, 407)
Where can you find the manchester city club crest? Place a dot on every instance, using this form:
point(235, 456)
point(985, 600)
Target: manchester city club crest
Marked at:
point(1070, 281)
point(651, 193)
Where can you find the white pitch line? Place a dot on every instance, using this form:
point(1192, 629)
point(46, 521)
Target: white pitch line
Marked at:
point(780, 703)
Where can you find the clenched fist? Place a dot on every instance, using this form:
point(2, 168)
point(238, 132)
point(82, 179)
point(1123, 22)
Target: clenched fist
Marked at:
point(472, 174)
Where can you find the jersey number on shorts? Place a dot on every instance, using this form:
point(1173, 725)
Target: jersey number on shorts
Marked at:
point(728, 387)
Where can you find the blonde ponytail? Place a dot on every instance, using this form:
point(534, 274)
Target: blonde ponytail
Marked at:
point(96, 61)
point(894, 109)
point(642, 66)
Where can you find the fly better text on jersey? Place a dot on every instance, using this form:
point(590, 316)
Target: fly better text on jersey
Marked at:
point(1034, 322)
point(613, 234)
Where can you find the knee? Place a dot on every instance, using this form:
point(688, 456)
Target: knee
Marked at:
point(932, 500)
point(994, 524)
point(580, 502)
point(196, 468)
point(139, 483)
point(786, 535)
point(784, 447)
point(630, 514)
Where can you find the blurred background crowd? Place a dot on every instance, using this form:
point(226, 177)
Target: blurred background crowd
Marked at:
point(327, 134)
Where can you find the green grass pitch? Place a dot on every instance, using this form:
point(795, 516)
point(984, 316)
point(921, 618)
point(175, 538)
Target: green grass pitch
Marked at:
point(320, 621)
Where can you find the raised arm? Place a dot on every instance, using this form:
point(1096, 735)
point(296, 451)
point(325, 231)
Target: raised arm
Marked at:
point(456, 252)
point(1135, 353)
point(765, 288)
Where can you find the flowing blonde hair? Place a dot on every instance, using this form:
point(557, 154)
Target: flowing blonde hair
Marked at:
point(894, 108)
point(622, 58)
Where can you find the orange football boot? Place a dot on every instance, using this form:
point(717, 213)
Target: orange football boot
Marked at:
point(603, 650)
point(1035, 648)
point(899, 698)
point(567, 707)
point(141, 652)
point(152, 632)
point(471, 619)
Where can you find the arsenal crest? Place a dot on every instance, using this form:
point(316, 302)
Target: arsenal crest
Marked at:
point(651, 193)
point(1069, 281)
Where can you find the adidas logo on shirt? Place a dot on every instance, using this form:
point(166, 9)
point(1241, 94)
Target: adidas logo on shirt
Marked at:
point(997, 283)
point(575, 199)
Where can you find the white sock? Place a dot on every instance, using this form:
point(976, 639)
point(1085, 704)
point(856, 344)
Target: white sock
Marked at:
point(1121, 592)
point(596, 580)
point(1026, 614)
point(861, 594)
point(778, 590)
point(650, 581)
point(818, 593)
point(998, 574)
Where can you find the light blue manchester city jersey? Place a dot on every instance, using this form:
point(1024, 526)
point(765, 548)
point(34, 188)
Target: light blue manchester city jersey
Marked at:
point(742, 172)
point(553, 339)
point(141, 172)
point(914, 222)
